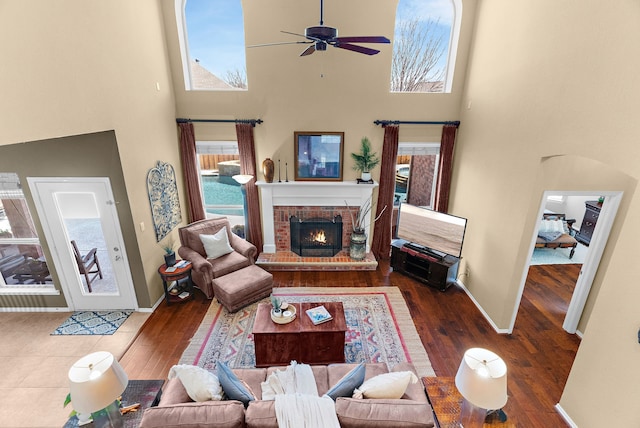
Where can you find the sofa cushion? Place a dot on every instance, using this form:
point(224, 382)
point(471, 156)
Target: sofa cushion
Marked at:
point(173, 392)
point(232, 386)
point(225, 414)
point(345, 386)
point(383, 413)
point(261, 414)
point(200, 384)
point(216, 245)
point(387, 385)
point(335, 372)
point(253, 378)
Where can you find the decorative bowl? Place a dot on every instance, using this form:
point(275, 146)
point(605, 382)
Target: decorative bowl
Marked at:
point(282, 319)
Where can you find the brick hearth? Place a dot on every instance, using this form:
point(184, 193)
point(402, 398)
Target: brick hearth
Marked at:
point(289, 261)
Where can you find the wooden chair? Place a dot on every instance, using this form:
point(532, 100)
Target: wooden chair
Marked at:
point(86, 263)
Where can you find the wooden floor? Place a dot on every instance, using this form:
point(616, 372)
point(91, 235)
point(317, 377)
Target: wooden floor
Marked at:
point(539, 354)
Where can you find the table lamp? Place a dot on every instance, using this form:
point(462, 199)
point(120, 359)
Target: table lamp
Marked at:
point(95, 383)
point(243, 179)
point(482, 381)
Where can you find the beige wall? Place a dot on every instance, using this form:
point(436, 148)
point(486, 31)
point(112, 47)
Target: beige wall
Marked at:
point(556, 79)
point(551, 84)
point(336, 90)
point(77, 67)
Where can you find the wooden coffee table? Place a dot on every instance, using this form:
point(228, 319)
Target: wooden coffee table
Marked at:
point(300, 340)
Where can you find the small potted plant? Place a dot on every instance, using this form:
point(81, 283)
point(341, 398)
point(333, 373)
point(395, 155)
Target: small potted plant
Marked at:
point(277, 306)
point(366, 160)
point(170, 254)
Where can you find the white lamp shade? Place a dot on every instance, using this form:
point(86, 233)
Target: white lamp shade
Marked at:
point(243, 178)
point(482, 379)
point(95, 381)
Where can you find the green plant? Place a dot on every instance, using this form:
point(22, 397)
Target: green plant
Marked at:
point(275, 302)
point(365, 161)
point(168, 246)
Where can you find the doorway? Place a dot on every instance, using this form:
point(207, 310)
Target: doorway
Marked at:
point(592, 258)
point(80, 213)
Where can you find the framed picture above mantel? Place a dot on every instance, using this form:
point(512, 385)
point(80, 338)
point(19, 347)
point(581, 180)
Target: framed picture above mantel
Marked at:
point(318, 156)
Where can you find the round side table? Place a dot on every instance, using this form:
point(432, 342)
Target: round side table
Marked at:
point(183, 283)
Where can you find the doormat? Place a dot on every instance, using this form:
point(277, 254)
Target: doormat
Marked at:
point(379, 329)
point(92, 323)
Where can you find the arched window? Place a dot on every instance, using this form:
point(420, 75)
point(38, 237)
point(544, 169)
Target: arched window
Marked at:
point(425, 45)
point(211, 34)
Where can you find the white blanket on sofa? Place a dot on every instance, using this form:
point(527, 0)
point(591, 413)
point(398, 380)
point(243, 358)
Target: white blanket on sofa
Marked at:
point(296, 398)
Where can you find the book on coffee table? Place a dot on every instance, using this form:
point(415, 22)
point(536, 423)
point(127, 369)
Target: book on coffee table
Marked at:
point(319, 314)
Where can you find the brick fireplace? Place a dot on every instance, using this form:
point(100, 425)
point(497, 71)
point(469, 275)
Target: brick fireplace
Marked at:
point(308, 199)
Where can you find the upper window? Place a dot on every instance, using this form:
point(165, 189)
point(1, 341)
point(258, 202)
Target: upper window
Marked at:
point(211, 36)
point(425, 44)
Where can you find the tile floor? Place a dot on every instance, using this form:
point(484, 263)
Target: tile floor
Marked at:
point(34, 384)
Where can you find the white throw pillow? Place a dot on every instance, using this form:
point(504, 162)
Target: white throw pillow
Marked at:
point(387, 385)
point(200, 384)
point(552, 226)
point(216, 245)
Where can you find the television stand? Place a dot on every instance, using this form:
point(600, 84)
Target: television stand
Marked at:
point(436, 271)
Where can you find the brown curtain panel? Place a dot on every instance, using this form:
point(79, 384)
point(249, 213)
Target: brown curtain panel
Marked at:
point(190, 168)
point(443, 184)
point(381, 243)
point(246, 148)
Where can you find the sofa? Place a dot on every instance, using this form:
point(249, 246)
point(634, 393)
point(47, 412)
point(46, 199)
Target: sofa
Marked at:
point(176, 409)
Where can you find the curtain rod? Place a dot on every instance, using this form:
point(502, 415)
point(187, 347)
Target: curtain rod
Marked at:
point(456, 123)
point(250, 121)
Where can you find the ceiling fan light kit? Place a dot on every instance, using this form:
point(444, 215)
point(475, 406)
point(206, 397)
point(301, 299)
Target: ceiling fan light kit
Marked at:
point(320, 36)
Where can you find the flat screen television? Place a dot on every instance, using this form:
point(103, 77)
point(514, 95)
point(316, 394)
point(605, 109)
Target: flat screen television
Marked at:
point(431, 231)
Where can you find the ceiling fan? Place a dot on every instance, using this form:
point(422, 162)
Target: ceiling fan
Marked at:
point(320, 36)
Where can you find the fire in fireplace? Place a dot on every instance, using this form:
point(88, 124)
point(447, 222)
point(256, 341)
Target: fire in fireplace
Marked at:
point(316, 237)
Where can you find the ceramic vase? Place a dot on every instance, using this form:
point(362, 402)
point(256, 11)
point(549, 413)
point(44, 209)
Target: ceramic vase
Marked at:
point(267, 170)
point(365, 176)
point(170, 259)
point(358, 245)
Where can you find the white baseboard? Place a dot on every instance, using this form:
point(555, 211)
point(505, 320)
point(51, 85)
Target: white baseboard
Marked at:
point(35, 309)
point(565, 416)
point(482, 311)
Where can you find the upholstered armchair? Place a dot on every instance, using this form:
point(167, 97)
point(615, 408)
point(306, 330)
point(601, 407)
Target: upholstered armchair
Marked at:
point(206, 268)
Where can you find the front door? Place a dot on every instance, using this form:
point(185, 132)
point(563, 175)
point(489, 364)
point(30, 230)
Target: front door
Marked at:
point(80, 213)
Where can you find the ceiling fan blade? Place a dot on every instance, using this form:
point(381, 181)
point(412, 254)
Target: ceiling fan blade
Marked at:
point(295, 34)
point(363, 39)
point(356, 48)
point(308, 51)
point(280, 43)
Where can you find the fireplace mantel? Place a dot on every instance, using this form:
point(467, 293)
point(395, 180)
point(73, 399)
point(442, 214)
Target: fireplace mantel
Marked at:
point(308, 193)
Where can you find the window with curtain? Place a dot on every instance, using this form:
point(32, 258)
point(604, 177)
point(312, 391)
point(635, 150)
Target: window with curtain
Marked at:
point(416, 172)
point(218, 162)
point(22, 262)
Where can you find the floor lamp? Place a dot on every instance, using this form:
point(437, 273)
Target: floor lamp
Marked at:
point(243, 179)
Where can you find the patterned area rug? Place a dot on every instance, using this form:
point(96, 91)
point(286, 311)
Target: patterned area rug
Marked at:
point(379, 329)
point(87, 323)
